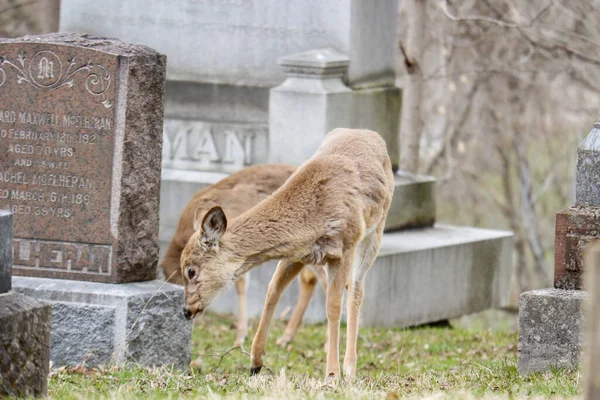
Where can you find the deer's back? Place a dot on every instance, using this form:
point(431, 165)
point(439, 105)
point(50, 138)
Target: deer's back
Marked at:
point(333, 198)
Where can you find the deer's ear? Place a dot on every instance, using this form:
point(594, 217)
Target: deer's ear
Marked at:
point(197, 224)
point(214, 225)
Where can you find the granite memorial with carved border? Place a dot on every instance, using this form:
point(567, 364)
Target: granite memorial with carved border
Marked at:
point(81, 139)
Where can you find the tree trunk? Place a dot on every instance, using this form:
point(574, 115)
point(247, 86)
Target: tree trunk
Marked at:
point(411, 123)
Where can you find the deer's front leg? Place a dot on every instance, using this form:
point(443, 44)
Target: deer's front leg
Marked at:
point(337, 273)
point(308, 281)
point(242, 317)
point(354, 301)
point(285, 273)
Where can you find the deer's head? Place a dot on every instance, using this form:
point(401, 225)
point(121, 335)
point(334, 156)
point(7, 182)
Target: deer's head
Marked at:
point(204, 265)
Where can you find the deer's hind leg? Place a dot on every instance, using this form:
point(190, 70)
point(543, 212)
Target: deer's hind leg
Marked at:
point(365, 254)
point(337, 273)
point(286, 271)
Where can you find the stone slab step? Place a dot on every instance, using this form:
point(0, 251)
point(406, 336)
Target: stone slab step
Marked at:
point(105, 324)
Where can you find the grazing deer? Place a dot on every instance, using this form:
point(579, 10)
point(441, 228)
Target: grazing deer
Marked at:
point(237, 193)
point(330, 212)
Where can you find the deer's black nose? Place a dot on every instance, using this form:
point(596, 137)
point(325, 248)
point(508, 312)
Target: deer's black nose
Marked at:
point(187, 313)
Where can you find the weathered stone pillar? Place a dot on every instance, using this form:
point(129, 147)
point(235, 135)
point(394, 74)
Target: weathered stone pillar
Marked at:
point(312, 101)
point(24, 330)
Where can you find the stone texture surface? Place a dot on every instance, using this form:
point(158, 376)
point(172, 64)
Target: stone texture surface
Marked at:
point(551, 324)
point(155, 322)
point(60, 128)
point(87, 222)
point(82, 332)
point(587, 190)
point(24, 346)
point(576, 228)
point(6, 234)
point(239, 42)
point(137, 322)
point(420, 276)
point(413, 203)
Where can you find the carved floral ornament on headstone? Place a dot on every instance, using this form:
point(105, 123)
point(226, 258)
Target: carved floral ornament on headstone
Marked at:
point(45, 72)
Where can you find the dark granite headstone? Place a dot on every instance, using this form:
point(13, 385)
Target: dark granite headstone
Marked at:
point(81, 138)
point(576, 229)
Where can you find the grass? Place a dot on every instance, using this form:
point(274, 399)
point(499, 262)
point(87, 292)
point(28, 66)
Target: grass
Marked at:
point(436, 362)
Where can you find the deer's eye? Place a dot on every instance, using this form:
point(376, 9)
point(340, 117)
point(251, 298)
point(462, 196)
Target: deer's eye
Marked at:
point(191, 273)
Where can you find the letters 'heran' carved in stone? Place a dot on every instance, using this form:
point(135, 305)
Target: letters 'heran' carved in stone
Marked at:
point(79, 169)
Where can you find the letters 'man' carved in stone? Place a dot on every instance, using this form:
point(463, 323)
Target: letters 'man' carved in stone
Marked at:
point(204, 146)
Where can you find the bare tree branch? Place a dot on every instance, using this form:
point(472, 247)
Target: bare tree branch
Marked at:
point(478, 18)
point(17, 6)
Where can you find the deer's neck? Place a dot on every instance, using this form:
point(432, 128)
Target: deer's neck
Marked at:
point(255, 238)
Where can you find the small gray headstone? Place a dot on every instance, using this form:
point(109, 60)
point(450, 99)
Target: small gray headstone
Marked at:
point(551, 325)
point(6, 229)
point(587, 192)
point(24, 330)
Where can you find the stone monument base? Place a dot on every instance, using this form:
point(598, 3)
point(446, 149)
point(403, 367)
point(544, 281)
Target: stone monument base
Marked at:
point(111, 324)
point(420, 276)
point(24, 346)
point(550, 329)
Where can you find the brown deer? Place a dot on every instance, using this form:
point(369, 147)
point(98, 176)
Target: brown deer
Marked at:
point(237, 193)
point(330, 212)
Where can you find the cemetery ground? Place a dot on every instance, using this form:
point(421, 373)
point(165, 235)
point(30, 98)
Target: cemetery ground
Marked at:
point(440, 362)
